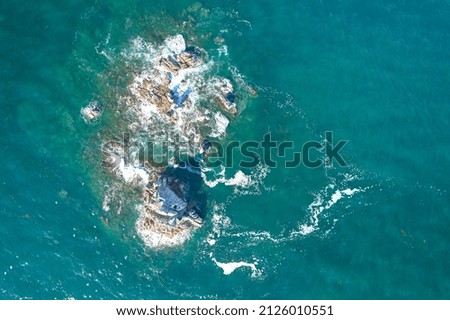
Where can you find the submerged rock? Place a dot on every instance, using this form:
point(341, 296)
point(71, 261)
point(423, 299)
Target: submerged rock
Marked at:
point(92, 111)
point(225, 95)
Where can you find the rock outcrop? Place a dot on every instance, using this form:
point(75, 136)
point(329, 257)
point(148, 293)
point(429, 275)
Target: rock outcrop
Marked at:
point(165, 97)
point(92, 112)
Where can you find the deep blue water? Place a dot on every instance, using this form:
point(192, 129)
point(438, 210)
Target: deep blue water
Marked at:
point(375, 73)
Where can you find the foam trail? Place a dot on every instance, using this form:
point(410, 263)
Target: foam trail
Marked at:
point(324, 200)
point(229, 267)
point(319, 205)
point(244, 184)
point(239, 179)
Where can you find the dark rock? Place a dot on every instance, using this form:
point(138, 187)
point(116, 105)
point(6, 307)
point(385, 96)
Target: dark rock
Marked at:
point(178, 191)
point(172, 194)
point(179, 97)
point(194, 51)
point(231, 97)
point(206, 145)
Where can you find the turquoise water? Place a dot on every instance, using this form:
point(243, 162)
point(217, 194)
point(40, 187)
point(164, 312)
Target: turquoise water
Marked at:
point(375, 73)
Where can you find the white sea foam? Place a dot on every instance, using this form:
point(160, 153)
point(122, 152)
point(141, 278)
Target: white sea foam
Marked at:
point(106, 200)
point(131, 173)
point(255, 237)
point(112, 199)
point(156, 239)
point(221, 125)
point(246, 22)
point(323, 202)
point(139, 50)
point(92, 112)
point(229, 267)
point(223, 50)
point(148, 110)
point(219, 220)
point(175, 44)
point(245, 184)
point(223, 228)
point(187, 119)
point(240, 179)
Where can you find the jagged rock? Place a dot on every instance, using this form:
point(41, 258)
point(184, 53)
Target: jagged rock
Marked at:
point(176, 194)
point(169, 65)
point(231, 108)
point(179, 97)
point(225, 95)
point(187, 59)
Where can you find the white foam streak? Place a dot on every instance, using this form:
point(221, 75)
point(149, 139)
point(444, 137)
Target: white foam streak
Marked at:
point(319, 205)
point(229, 267)
point(240, 179)
point(221, 125)
point(246, 184)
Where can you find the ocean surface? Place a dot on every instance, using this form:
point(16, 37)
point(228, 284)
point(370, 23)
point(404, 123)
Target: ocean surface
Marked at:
point(375, 73)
